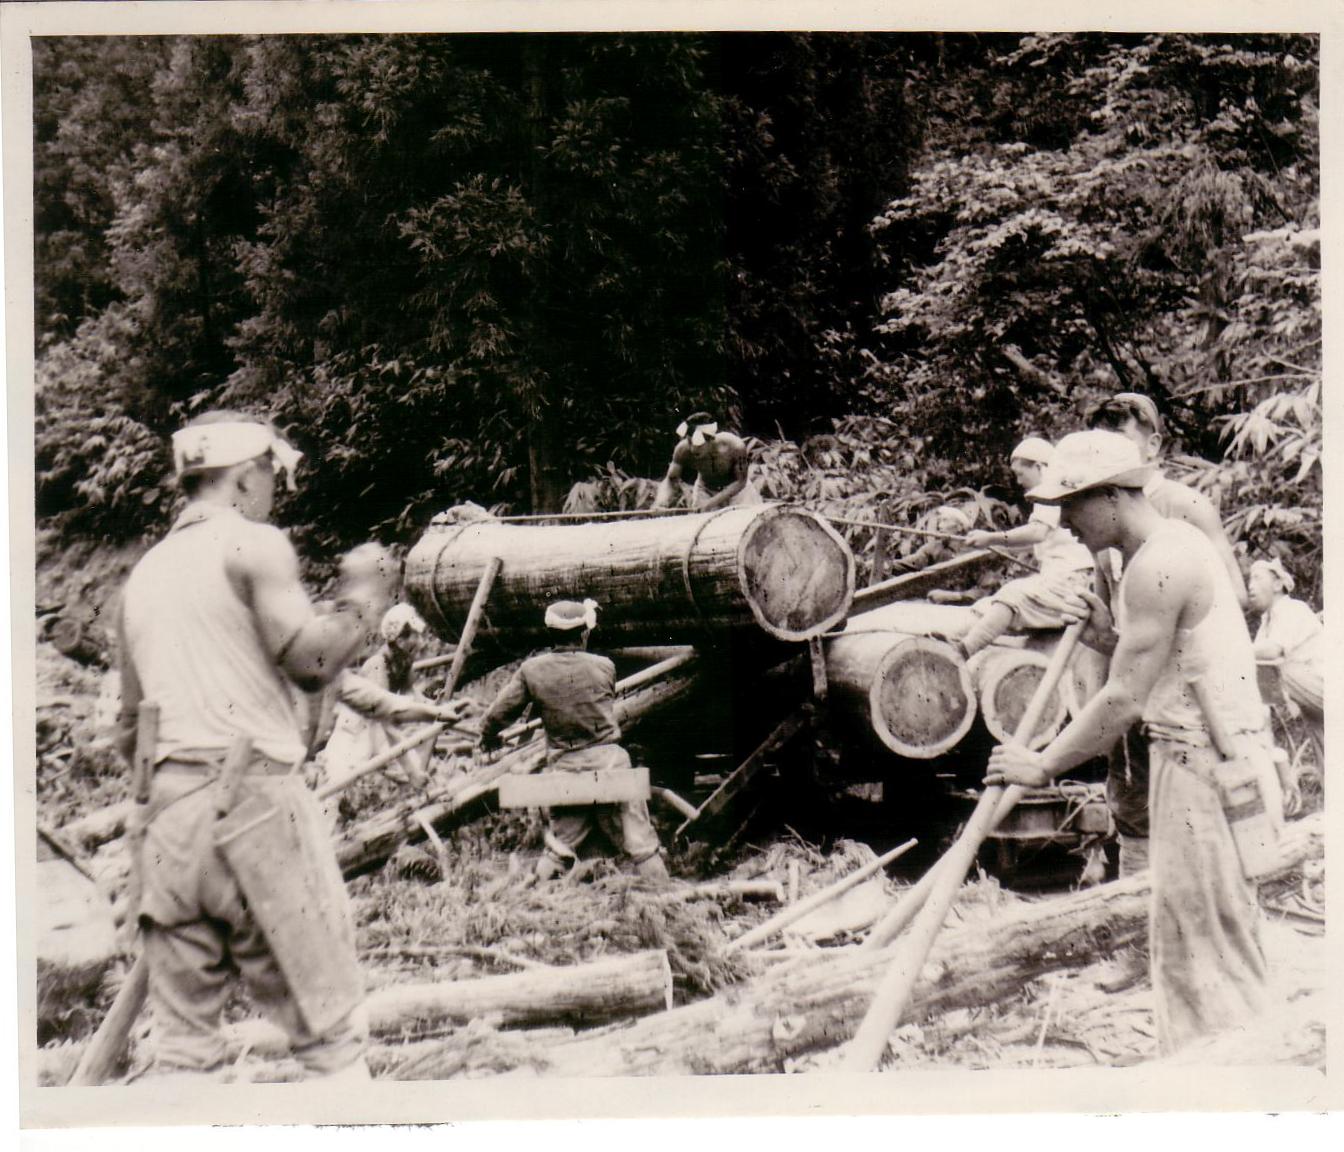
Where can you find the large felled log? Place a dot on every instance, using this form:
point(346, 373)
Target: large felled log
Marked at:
point(816, 1004)
point(913, 692)
point(659, 580)
point(595, 992)
point(1005, 680)
point(600, 991)
point(373, 840)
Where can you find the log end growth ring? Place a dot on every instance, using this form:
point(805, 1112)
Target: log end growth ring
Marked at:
point(1007, 682)
point(797, 573)
point(921, 699)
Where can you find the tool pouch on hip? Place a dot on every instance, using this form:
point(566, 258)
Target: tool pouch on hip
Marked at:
point(280, 853)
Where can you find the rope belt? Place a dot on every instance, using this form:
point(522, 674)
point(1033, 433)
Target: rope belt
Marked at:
point(260, 765)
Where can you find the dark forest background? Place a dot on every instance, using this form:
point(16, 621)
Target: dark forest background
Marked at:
point(502, 267)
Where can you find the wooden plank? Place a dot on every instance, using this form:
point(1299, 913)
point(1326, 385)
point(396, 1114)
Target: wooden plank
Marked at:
point(743, 774)
point(916, 584)
point(567, 789)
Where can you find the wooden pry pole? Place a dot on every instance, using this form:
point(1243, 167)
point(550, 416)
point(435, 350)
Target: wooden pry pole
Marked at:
point(893, 994)
point(473, 622)
point(797, 911)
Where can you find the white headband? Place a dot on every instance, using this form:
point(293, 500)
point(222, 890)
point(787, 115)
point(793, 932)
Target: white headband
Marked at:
point(700, 435)
point(222, 445)
point(566, 623)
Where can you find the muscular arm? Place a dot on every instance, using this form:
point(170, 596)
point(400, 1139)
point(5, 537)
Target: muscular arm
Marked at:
point(1197, 509)
point(311, 649)
point(1023, 536)
point(1156, 593)
point(512, 699)
point(669, 485)
point(368, 699)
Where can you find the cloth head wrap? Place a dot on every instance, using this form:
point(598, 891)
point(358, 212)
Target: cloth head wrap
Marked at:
point(200, 447)
point(1286, 582)
point(565, 615)
point(397, 619)
point(699, 434)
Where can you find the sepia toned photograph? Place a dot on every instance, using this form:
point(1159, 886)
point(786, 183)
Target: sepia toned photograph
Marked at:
point(777, 557)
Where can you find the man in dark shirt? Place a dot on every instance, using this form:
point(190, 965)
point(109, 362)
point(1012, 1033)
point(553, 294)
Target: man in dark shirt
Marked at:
point(574, 692)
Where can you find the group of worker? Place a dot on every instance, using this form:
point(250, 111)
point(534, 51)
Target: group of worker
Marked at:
point(216, 629)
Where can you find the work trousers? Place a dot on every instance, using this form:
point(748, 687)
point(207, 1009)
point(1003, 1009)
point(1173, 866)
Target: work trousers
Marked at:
point(1209, 970)
point(626, 825)
point(199, 932)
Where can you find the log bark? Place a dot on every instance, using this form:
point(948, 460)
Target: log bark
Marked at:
point(659, 580)
point(813, 1005)
point(912, 692)
point(596, 992)
point(375, 839)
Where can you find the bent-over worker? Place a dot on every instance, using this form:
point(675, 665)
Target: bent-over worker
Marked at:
point(1062, 561)
point(376, 705)
point(1176, 619)
point(217, 630)
point(574, 691)
point(718, 460)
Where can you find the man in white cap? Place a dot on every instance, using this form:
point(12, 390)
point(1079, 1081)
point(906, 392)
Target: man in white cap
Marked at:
point(217, 631)
point(1063, 563)
point(1176, 622)
point(375, 705)
point(1135, 416)
point(718, 460)
point(574, 692)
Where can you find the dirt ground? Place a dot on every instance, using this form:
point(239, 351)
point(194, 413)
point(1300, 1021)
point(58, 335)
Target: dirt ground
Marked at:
point(461, 914)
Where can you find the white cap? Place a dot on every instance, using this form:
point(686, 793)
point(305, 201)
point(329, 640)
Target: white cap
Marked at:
point(397, 619)
point(1035, 449)
point(200, 447)
point(1092, 459)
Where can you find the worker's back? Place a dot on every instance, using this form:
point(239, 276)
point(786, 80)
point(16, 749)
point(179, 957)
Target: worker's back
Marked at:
point(575, 693)
point(195, 647)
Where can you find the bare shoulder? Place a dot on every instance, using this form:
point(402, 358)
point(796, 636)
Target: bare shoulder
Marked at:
point(731, 441)
point(1188, 504)
point(1168, 569)
point(263, 550)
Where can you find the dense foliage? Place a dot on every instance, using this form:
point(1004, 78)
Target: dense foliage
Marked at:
point(495, 267)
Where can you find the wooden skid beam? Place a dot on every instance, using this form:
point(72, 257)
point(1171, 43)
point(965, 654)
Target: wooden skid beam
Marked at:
point(743, 774)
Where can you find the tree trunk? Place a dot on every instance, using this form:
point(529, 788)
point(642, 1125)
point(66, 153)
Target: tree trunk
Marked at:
point(817, 1004)
point(659, 580)
point(591, 993)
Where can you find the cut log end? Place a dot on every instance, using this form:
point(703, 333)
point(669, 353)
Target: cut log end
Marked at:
point(797, 574)
point(921, 699)
point(1008, 680)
